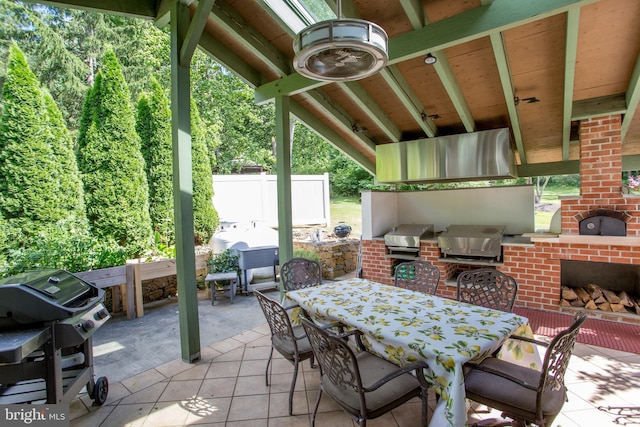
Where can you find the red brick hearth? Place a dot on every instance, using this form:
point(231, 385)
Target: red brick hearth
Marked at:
point(537, 266)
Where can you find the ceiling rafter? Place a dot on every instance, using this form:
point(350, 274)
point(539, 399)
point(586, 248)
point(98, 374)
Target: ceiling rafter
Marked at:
point(458, 29)
point(502, 63)
point(194, 32)
point(413, 10)
point(632, 98)
point(571, 48)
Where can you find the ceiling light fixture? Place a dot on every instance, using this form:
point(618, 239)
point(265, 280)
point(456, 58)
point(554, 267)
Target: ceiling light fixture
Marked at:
point(340, 49)
point(430, 59)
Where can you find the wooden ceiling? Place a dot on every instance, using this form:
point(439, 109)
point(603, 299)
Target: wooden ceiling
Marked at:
point(579, 58)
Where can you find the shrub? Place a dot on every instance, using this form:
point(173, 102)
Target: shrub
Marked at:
point(223, 262)
point(305, 253)
point(64, 246)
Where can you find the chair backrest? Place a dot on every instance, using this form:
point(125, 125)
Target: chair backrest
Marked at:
point(420, 276)
point(299, 273)
point(337, 361)
point(278, 320)
point(556, 359)
point(487, 287)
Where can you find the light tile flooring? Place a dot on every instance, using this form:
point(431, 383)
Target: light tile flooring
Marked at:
point(227, 387)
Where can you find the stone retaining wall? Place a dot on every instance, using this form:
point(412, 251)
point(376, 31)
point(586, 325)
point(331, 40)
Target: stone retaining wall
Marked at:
point(337, 258)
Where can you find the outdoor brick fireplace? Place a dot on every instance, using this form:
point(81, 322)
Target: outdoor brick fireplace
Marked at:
point(537, 267)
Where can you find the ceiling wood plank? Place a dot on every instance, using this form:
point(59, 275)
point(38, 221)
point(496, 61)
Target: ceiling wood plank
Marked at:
point(507, 88)
point(632, 98)
point(372, 109)
point(473, 24)
point(571, 48)
point(401, 88)
point(228, 19)
point(603, 105)
point(194, 32)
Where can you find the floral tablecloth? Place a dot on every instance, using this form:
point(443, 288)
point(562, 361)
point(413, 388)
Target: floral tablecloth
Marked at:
point(404, 326)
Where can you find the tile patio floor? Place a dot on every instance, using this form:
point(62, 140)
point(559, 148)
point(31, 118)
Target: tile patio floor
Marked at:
point(227, 387)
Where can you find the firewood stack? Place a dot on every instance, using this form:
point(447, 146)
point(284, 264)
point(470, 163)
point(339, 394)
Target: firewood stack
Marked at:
point(593, 297)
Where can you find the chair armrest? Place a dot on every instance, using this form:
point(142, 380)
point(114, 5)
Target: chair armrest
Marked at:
point(416, 366)
point(290, 307)
point(527, 339)
point(506, 376)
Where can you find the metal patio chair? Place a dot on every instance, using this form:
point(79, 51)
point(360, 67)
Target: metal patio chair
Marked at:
point(299, 273)
point(420, 276)
point(290, 341)
point(487, 287)
point(362, 384)
point(524, 395)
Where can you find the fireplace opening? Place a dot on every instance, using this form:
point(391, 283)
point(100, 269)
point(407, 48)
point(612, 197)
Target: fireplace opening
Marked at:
point(600, 285)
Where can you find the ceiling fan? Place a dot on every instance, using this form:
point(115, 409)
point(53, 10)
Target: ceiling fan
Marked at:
point(340, 49)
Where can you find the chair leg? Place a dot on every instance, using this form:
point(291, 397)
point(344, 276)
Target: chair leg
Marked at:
point(293, 385)
point(425, 406)
point(266, 371)
point(315, 410)
point(311, 362)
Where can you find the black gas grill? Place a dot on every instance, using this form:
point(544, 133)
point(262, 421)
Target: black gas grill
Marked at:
point(47, 318)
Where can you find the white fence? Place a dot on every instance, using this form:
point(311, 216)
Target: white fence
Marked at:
point(247, 198)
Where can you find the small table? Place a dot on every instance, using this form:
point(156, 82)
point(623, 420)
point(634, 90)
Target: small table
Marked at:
point(231, 277)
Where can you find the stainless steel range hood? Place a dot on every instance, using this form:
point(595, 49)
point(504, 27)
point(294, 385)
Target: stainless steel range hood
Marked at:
point(466, 157)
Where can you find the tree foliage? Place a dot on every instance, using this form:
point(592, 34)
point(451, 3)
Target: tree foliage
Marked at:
point(31, 176)
point(205, 217)
point(111, 164)
point(153, 125)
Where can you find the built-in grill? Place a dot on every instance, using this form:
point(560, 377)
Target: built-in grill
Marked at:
point(472, 242)
point(47, 318)
point(403, 241)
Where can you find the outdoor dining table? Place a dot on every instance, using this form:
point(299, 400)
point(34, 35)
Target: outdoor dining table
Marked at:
point(403, 326)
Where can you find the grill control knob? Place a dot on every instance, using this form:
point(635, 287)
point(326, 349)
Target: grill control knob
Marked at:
point(101, 314)
point(87, 325)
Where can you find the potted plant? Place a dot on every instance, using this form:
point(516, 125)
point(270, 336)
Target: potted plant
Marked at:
point(223, 262)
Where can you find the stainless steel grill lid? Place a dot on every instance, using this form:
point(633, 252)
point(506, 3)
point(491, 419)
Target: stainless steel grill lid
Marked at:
point(476, 240)
point(408, 235)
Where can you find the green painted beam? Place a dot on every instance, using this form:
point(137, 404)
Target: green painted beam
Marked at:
point(571, 47)
point(337, 115)
point(372, 109)
point(448, 79)
point(183, 188)
point(413, 10)
point(228, 19)
point(145, 9)
point(164, 13)
point(601, 106)
point(629, 163)
point(316, 125)
point(546, 169)
point(223, 55)
point(195, 30)
point(507, 88)
point(476, 23)
point(283, 174)
point(632, 98)
point(407, 97)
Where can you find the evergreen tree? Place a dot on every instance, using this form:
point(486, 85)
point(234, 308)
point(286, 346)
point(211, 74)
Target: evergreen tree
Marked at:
point(29, 181)
point(205, 216)
point(111, 165)
point(69, 195)
point(153, 124)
